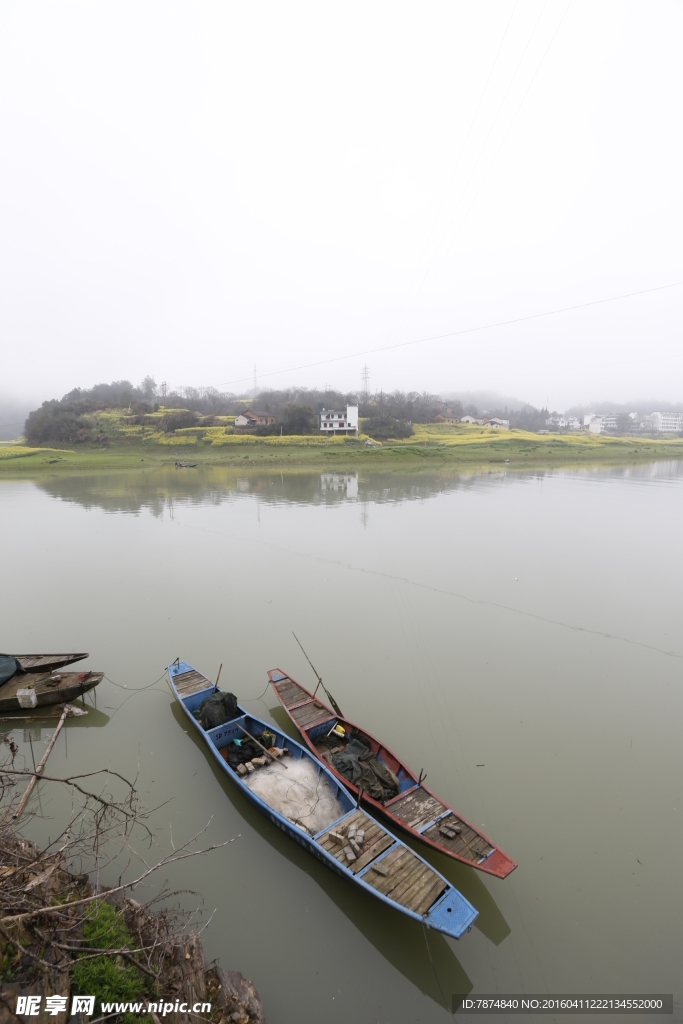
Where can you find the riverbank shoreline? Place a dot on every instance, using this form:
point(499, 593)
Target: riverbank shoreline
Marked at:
point(43, 957)
point(470, 449)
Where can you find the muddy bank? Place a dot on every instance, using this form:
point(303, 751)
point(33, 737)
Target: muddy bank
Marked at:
point(58, 937)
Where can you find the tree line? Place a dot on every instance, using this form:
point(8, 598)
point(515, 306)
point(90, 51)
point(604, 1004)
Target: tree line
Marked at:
point(72, 419)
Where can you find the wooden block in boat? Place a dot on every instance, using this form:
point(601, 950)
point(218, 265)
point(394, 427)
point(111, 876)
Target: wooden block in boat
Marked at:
point(259, 761)
point(382, 844)
point(380, 869)
point(249, 766)
point(241, 769)
point(337, 838)
point(349, 854)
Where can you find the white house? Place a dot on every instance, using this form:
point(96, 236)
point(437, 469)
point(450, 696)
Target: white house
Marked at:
point(470, 419)
point(339, 422)
point(499, 424)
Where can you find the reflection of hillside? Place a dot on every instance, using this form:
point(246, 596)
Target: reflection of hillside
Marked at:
point(132, 491)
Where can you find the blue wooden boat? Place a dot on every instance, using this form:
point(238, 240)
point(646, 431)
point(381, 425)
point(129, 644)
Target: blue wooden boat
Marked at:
point(381, 864)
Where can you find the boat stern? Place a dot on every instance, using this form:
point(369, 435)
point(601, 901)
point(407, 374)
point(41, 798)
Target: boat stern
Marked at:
point(452, 914)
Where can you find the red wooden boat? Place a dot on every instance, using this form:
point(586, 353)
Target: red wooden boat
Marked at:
point(415, 808)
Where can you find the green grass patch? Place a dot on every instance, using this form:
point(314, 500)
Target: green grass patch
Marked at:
point(109, 979)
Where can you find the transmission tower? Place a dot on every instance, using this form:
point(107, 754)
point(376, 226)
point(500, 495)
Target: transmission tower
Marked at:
point(365, 384)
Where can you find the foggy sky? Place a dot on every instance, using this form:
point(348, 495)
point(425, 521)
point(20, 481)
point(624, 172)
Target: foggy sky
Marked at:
point(187, 190)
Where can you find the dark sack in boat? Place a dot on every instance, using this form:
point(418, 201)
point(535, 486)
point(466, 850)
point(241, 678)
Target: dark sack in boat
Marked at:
point(217, 709)
point(9, 666)
point(359, 765)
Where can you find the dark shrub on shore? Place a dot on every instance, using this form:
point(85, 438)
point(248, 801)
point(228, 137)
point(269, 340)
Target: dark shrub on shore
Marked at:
point(57, 421)
point(386, 428)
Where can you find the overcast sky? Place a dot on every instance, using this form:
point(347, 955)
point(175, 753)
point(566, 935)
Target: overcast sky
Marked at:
point(187, 190)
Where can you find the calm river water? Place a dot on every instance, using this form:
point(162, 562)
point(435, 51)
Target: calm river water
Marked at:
point(517, 636)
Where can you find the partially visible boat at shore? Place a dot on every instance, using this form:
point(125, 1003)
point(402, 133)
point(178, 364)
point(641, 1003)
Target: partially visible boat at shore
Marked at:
point(41, 689)
point(47, 662)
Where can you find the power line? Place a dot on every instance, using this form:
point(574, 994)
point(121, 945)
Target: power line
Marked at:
point(457, 333)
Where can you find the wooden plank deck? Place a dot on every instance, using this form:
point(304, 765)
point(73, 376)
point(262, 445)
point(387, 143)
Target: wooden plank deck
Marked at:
point(291, 693)
point(309, 714)
point(375, 842)
point(418, 808)
point(468, 844)
point(190, 682)
point(409, 881)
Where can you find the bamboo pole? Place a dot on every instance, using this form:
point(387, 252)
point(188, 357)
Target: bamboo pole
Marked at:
point(264, 749)
point(34, 778)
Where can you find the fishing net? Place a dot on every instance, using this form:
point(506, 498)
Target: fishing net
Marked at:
point(217, 709)
point(357, 763)
point(300, 792)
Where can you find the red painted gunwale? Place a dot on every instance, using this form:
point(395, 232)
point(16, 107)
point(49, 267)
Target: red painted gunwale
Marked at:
point(497, 863)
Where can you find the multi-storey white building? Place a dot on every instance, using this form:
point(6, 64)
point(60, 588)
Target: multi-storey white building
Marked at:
point(667, 422)
point(339, 422)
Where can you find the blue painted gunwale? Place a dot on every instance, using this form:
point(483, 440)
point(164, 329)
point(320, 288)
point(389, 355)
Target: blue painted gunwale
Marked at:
point(452, 914)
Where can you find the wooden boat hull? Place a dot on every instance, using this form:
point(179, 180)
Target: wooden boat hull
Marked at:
point(46, 662)
point(416, 810)
point(404, 880)
point(47, 688)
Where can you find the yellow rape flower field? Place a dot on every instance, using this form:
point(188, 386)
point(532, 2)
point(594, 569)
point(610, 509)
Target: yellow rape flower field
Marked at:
point(116, 442)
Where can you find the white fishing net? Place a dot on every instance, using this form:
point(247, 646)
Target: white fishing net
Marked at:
point(298, 792)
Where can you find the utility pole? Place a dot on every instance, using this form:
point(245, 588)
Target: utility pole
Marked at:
point(255, 384)
point(164, 385)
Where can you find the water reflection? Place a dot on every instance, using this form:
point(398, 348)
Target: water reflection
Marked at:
point(157, 490)
point(399, 939)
